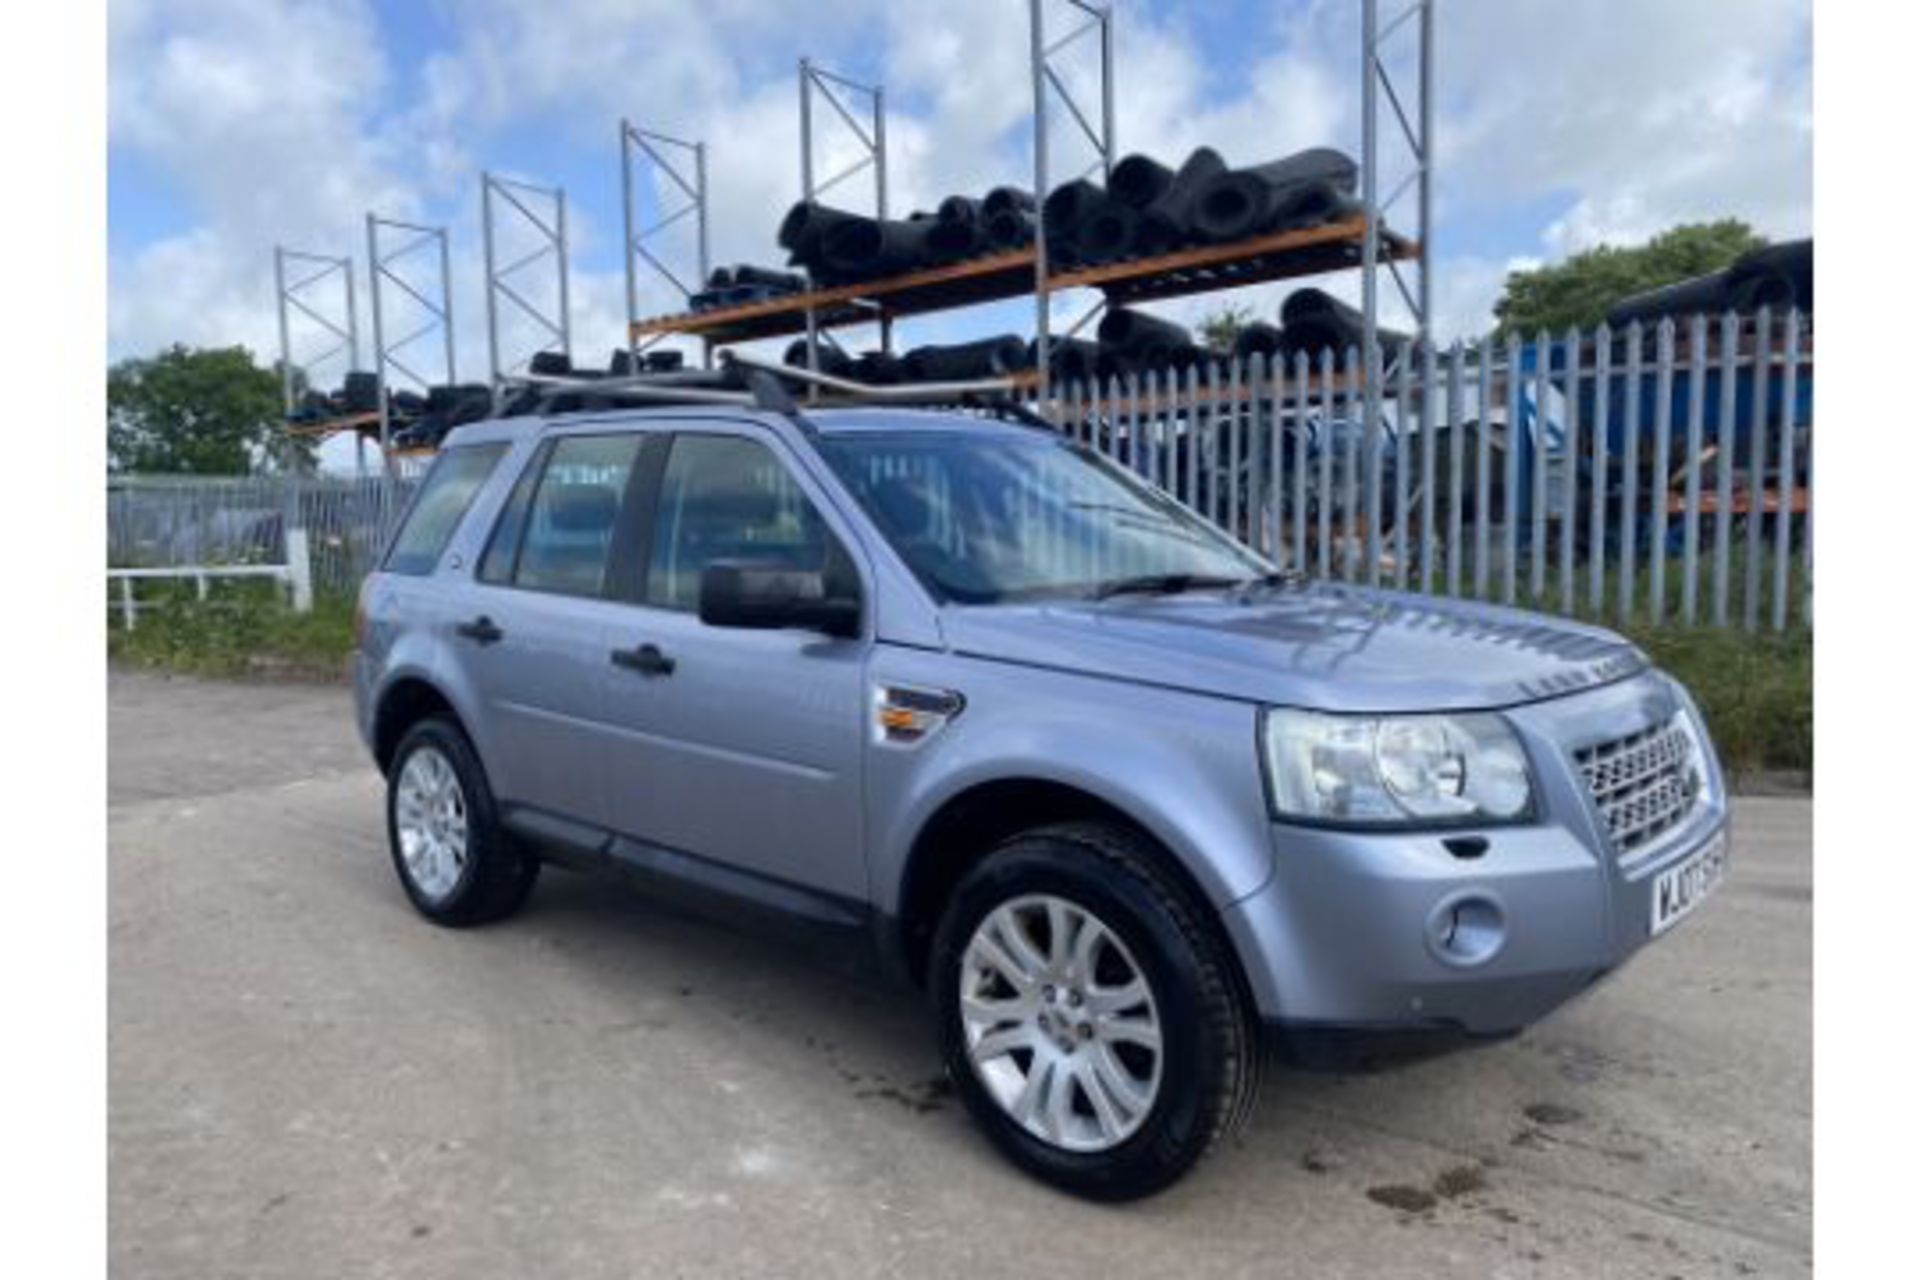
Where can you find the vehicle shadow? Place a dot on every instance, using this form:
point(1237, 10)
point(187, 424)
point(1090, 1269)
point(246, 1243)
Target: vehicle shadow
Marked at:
point(858, 1031)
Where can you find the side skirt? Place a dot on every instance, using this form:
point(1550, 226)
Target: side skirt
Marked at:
point(842, 932)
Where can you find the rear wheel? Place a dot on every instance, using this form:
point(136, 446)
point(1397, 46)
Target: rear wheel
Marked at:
point(456, 863)
point(1089, 1014)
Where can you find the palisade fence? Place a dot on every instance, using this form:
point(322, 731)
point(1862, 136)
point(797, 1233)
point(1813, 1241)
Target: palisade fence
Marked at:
point(167, 522)
point(1648, 475)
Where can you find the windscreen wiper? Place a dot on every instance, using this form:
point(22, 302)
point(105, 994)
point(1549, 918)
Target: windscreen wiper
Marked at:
point(1161, 584)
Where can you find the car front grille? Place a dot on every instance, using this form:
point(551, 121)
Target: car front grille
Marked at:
point(1644, 784)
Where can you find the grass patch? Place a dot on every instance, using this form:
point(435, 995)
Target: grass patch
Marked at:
point(242, 629)
point(1754, 687)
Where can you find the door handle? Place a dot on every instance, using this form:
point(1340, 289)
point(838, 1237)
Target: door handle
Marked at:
point(647, 659)
point(482, 630)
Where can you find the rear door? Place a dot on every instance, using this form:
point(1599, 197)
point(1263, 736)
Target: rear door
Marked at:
point(740, 747)
point(537, 621)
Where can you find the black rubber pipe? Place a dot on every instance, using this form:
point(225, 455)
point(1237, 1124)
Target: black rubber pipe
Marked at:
point(869, 248)
point(1312, 321)
point(952, 241)
point(1168, 221)
point(879, 368)
point(360, 393)
point(1006, 200)
point(1010, 229)
point(1699, 295)
point(1135, 334)
point(1310, 204)
point(1068, 206)
point(1243, 202)
point(833, 360)
point(804, 229)
point(1138, 181)
point(959, 362)
point(764, 277)
point(1108, 233)
point(1074, 359)
point(1257, 338)
point(720, 278)
point(1779, 276)
point(960, 209)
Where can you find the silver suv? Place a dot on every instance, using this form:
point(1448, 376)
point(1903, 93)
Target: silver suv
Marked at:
point(973, 702)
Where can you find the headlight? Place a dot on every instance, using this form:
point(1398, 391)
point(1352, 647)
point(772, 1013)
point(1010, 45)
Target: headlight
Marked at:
point(1398, 771)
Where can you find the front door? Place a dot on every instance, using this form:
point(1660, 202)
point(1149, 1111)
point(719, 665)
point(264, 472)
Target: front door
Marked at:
point(741, 747)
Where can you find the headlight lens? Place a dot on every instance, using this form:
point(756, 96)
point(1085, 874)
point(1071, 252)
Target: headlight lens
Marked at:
point(1394, 770)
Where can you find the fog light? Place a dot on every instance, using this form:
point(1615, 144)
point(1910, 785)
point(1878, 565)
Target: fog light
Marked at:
point(1466, 929)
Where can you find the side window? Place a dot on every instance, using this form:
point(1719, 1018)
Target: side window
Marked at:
point(569, 524)
point(728, 498)
point(436, 512)
point(497, 564)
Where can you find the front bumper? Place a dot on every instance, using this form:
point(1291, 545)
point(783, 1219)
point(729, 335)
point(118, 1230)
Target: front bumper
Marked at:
point(1483, 931)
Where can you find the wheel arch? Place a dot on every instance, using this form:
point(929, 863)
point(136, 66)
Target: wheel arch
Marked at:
point(970, 824)
point(403, 703)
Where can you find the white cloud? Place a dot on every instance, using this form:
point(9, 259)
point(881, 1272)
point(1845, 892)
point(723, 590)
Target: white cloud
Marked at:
point(286, 119)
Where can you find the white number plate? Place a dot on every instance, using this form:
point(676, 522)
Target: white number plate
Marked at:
point(1678, 890)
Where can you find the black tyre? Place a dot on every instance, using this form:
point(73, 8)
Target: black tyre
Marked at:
point(1090, 1015)
point(458, 866)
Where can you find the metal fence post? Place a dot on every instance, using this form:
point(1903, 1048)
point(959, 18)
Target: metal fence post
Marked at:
point(1456, 462)
point(1662, 475)
point(1696, 433)
point(1759, 412)
point(1597, 499)
point(1630, 474)
point(1783, 522)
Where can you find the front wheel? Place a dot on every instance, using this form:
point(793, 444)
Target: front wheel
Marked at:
point(1089, 1015)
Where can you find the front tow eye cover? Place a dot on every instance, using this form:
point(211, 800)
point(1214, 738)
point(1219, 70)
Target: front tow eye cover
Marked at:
point(1466, 929)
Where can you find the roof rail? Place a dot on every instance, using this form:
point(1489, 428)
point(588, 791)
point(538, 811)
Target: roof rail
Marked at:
point(750, 382)
point(993, 395)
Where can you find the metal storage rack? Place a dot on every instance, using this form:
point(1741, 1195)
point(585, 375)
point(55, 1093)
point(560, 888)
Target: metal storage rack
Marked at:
point(666, 156)
point(1363, 243)
point(337, 321)
point(1360, 243)
point(543, 212)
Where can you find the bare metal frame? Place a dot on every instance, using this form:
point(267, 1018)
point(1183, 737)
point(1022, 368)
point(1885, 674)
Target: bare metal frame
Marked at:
point(1415, 132)
point(382, 274)
point(870, 101)
point(1096, 20)
point(299, 296)
point(549, 226)
point(643, 151)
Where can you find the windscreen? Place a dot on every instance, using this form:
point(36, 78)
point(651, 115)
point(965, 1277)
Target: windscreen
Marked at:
point(985, 518)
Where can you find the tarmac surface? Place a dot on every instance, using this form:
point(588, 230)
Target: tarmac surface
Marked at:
point(309, 1081)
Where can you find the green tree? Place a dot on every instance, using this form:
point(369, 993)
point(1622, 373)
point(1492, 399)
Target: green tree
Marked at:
point(209, 411)
point(1218, 329)
point(1578, 291)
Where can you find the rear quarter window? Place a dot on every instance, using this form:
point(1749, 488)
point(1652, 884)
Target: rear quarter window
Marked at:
point(438, 508)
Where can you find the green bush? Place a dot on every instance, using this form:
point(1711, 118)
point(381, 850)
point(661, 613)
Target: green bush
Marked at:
point(242, 628)
point(1755, 689)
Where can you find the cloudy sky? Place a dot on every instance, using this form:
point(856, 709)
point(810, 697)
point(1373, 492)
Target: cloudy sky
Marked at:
point(236, 124)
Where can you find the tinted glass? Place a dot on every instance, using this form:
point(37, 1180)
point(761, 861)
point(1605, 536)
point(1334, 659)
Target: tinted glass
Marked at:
point(727, 498)
point(570, 522)
point(497, 564)
point(983, 518)
point(443, 499)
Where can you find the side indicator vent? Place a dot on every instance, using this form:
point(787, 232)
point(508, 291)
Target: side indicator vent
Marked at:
point(905, 714)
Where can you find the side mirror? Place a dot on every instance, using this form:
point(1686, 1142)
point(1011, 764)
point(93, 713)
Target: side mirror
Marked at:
point(767, 596)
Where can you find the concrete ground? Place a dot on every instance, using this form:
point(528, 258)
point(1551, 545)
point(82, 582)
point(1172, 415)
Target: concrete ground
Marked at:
point(309, 1081)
